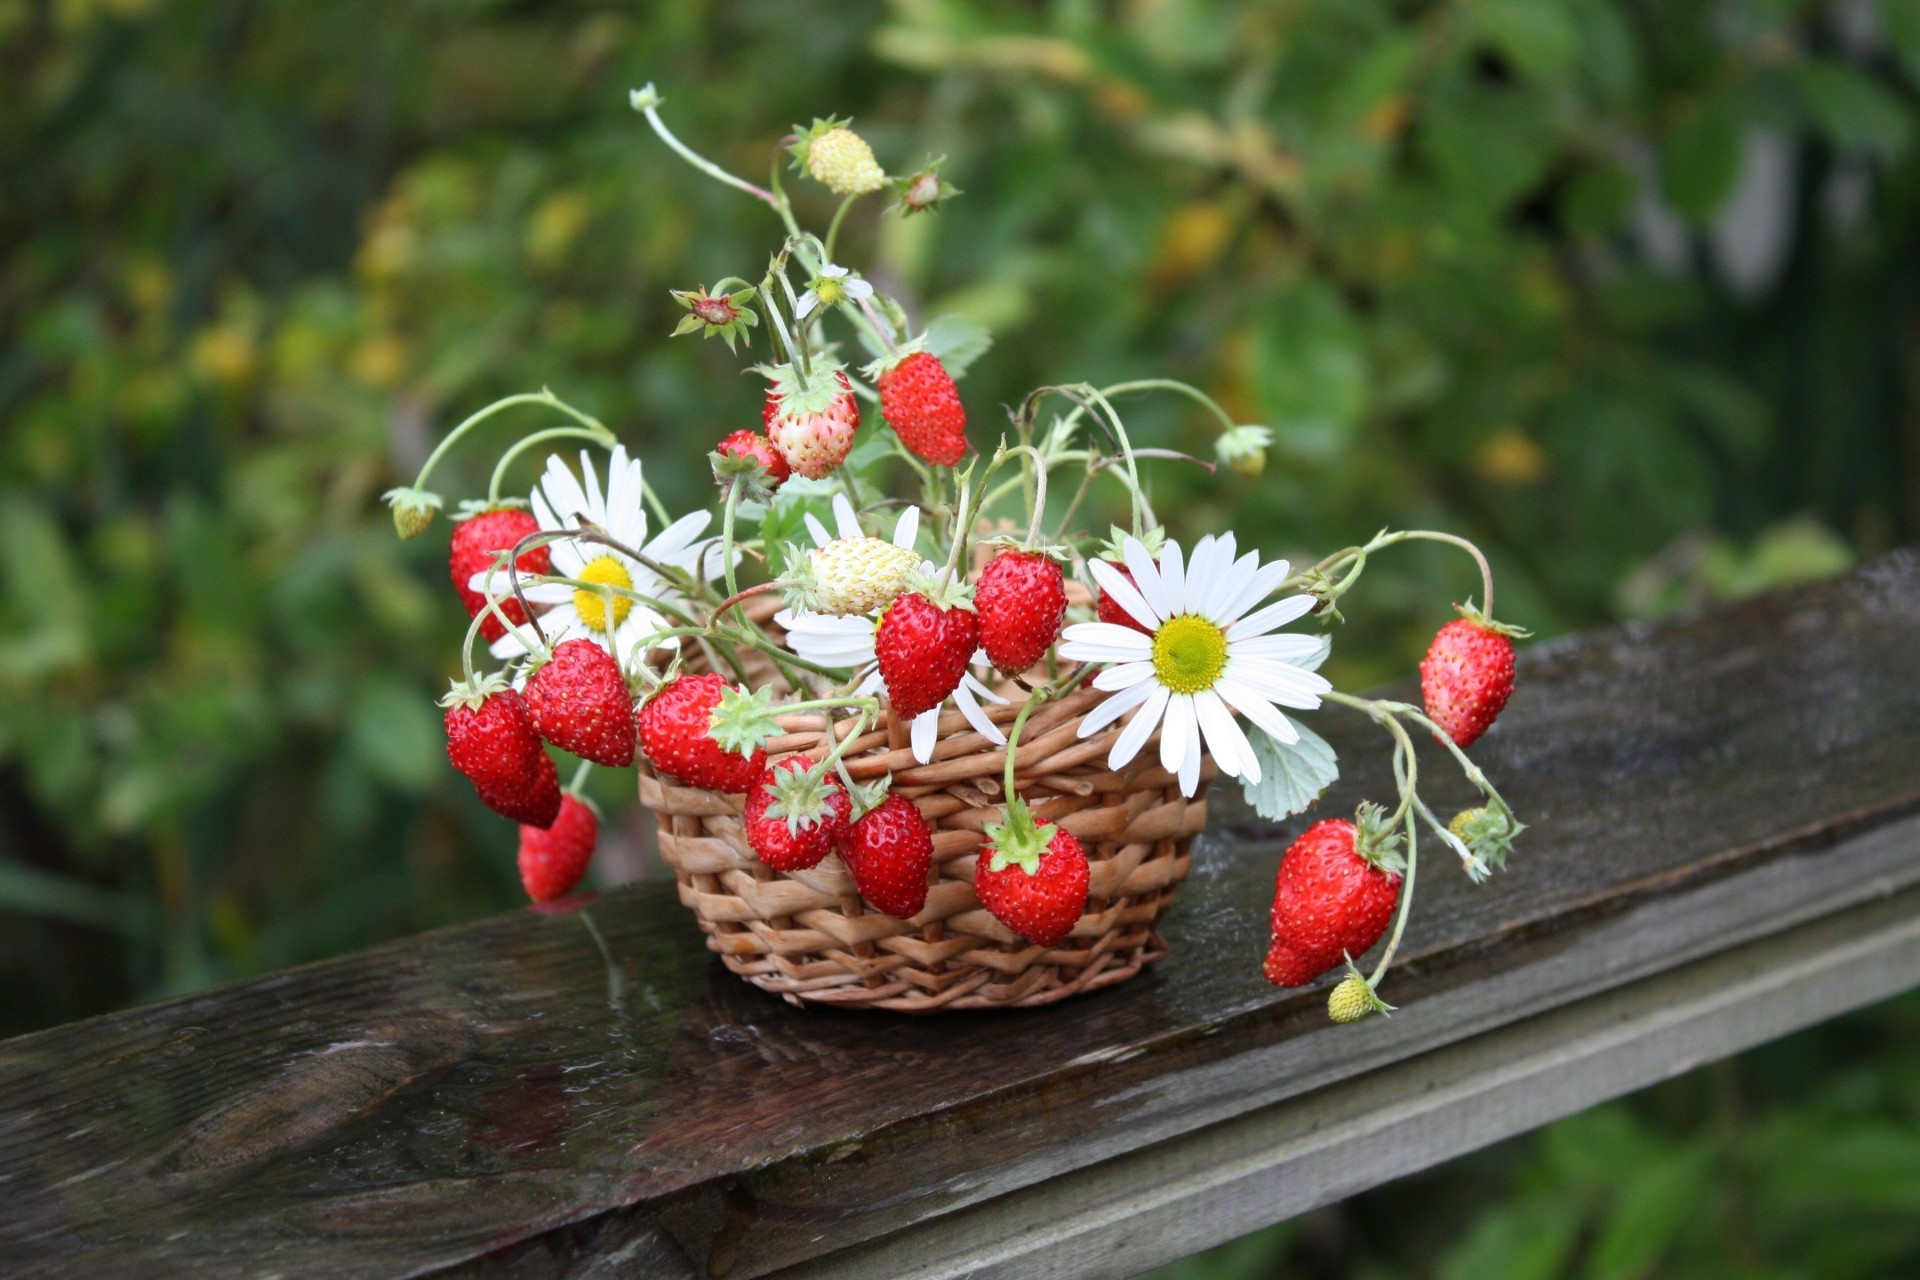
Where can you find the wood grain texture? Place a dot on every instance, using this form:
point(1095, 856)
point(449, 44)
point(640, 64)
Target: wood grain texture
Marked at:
point(586, 1093)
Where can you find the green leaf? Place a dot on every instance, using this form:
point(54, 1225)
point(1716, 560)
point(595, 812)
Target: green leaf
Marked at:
point(1310, 369)
point(1537, 36)
point(1656, 1203)
point(1855, 111)
point(1701, 158)
point(958, 340)
point(1530, 1239)
point(1292, 774)
point(395, 733)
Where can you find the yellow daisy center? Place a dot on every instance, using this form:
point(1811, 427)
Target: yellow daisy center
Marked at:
point(829, 290)
point(1189, 653)
point(592, 605)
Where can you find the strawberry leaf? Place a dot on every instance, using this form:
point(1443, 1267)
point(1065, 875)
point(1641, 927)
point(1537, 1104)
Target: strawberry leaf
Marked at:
point(1292, 774)
point(958, 340)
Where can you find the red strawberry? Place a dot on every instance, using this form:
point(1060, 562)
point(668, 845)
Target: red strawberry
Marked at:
point(1108, 610)
point(1021, 598)
point(1467, 675)
point(812, 429)
point(475, 543)
point(921, 404)
point(675, 728)
point(491, 739)
point(579, 702)
point(793, 817)
point(1043, 904)
point(890, 852)
point(924, 650)
point(552, 861)
point(751, 444)
point(1333, 897)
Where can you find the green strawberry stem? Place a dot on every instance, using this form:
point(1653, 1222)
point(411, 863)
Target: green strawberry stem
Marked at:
point(1383, 714)
point(1356, 558)
point(541, 397)
point(527, 442)
point(1405, 909)
point(1038, 472)
point(579, 778)
point(726, 538)
point(833, 228)
point(868, 323)
point(864, 716)
point(646, 100)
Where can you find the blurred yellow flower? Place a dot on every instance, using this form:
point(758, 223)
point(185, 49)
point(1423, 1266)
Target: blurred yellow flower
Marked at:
point(1511, 459)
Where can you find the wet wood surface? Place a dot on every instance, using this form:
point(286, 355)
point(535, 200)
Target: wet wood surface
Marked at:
point(587, 1093)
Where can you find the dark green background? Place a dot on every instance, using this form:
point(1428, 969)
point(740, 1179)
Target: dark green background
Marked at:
point(1629, 292)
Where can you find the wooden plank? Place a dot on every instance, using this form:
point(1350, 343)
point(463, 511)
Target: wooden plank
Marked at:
point(586, 1093)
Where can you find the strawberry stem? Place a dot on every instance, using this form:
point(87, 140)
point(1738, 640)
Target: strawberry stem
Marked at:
point(745, 593)
point(646, 100)
point(601, 436)
point(540, 397)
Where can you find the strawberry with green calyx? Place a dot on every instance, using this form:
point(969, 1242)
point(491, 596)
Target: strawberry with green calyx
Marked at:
point(578, 700)
point(889, 850)
point(1334, 895)
point(491, 739)
point(795, 812)
point(1467, 675)
point(749, 460)
point(1244, 449)
point(1021, 597)
point(811, 420)
point(701, 731)
point(478, 541)
point(848, 576)
point(413, 510)
point(1032, 878)
point(1354, 998)
point(1487, 832)
point(553, 860)
point(923, 190)
point(925, 641)
point(836, 157)
point(726, 315)
point(919, 400)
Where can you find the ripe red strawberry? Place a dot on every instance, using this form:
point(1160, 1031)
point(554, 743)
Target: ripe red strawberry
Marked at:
point(675, 727)
point(1108, 610)
point(921, 404)
point(890, 852)
point(751, 444)
point(1021, 598)
point(1467, 675)
point(475, 543)
point(793, 817)
point(579, 702)
point(491, 739)
point(552, 861)
point(813, 429)
point(1333, 897)
point(924, 650)
point(1042, 904)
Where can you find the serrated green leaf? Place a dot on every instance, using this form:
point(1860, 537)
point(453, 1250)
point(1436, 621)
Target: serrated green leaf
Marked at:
point(958, 340)
point(1292, 774)
point(1854, 110)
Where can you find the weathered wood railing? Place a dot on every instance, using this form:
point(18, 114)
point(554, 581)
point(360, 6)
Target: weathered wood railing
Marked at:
point(1725, 847)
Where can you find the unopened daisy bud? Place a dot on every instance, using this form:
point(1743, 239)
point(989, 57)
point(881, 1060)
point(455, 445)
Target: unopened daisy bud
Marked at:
point(838, 158)
point(413, 510)
point(1244, 449)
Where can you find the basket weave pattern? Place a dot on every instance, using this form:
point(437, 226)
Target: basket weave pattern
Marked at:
point(807, 936)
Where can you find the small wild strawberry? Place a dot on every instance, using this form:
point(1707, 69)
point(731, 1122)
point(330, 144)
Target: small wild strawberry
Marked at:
point(1033, 879)
point(738, 455)
point(838, 158)
point(579, 702)
point(491, 739)
point(920, 402)
point(1333, 896)
point(924, 647)
point(1021, 598)
point(553, 860)
point(849, 576)
point(795, 812)
point(813, 425)
point(889, 850)
point(476, 541)
point(1467, 675)
point(676, 733)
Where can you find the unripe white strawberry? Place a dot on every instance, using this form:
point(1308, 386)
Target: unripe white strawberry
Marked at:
point(839, 159)
point(850, 576)
point(814, 444)
point(812, 423)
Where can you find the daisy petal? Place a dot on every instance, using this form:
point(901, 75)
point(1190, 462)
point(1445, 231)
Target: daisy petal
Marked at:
point(925, 732)
point(858, 290)
point(596, 505)
point(1124, 676)
point(678, 536)
point(1115, 585)
point(1277, 614)
point(819, 531)
point(808, 301)
point(844, 517)
point(1190, 772)
point(1116, 706)
point(1173, 579)
point(1104, 642)
point(1139, 729)
point(568, 500)
point(1220, 580)
point(1180, 735)
point(1251, 589)
point(1281, 648)
point(1224, 737)
point(1280, 683)
point(1146, 577)
point(907, 532)
point(1247, 700)
point(965, 698)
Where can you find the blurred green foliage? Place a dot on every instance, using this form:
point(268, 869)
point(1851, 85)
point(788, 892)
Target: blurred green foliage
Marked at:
point(1623, 289)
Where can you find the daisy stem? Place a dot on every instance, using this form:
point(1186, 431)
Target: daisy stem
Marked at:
point(540, 397)
point(833, 228)
point(602, 436)
point(647, 101)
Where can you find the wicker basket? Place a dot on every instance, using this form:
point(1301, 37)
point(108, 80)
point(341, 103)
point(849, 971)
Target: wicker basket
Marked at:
point(807, 936)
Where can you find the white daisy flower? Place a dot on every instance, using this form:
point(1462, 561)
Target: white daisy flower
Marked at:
point(615, 623)
point(847, 642)
point(832, 286)
point(1204, 657)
